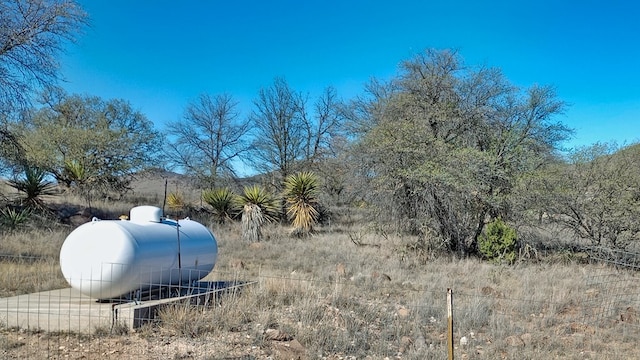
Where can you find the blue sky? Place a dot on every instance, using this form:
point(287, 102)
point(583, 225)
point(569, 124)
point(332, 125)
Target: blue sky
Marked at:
point(160, 55)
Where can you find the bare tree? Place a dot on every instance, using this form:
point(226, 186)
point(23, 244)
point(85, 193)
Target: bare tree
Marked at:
point(208, 138)
point(287, 137)
point(327, 123)
point(280, 125)
point(594, 193)
point(11, 152)
point(32, 33)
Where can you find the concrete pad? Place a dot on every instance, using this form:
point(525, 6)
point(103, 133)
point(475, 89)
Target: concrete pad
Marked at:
point(55, 310)
point(69, 310)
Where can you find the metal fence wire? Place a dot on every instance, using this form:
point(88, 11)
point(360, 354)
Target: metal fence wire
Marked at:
point(613, 296)
point(41, 323)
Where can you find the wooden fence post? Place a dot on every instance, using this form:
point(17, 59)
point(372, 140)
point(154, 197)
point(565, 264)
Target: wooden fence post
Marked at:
point(450, 322)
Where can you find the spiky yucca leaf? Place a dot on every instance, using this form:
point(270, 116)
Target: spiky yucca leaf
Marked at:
point(257, 195)
point(12, 219)
point(75, 172)
point(301, 197)
point(34, 186)
point(176, 203)
point(223, 202)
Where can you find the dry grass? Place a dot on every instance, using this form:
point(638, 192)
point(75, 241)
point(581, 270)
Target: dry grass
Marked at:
point(325, 297)
point(27, 275)
point(339, 299)
point(29, 261)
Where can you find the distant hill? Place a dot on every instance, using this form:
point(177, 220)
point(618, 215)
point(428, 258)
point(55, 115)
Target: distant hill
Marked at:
point(151, 184)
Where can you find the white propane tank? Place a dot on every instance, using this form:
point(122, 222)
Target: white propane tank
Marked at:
point(106, 259)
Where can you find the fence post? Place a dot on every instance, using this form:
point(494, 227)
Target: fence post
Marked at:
point(450, 322)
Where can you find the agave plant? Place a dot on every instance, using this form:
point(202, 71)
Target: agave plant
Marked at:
point(258, 207)
point(223, 203)
point(301, 200)
point(34, 186)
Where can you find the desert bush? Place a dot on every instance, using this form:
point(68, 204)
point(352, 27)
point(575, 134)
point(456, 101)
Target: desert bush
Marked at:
point(594, 195)
point(498, 242)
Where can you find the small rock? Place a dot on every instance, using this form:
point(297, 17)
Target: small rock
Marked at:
point(464, 341)
point(277, 335)
point(403, 312)
point(405, 343)
point(514, 341)
point(289, 350)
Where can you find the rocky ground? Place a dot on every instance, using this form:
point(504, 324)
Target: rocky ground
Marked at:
point(148, 345)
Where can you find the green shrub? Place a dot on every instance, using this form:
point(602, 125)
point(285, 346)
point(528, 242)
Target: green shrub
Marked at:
point(497, 243)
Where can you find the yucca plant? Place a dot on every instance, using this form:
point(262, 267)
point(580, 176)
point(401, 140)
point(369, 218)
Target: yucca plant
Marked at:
point(78, 179)
point(301, 191)
point(75, 173)
point(34, 186)
point(258, 207)
point(176, 203)
point(12, 219)
point(222, 201)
